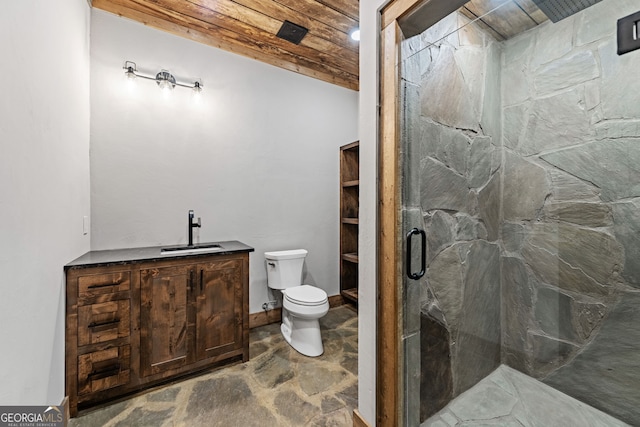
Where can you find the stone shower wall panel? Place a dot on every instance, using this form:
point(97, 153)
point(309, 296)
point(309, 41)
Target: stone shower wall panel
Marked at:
point(586, 214)
point(436, 380)
point(516, 313)
point(529, 189)
point(627, 231)
point(567, 72)
point(488, 201)
point(612, 164)
point(570, 206)
point(446, 281)
point(606, 374)
point(477, 348)
point(524, 190)
point(450, 101)
point(566, 187)
point(442, 188)
point(459, 127)
point(593, 252)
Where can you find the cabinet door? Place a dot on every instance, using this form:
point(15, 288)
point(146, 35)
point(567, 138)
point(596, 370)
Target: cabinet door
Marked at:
point(219, 307)
point(166, 323)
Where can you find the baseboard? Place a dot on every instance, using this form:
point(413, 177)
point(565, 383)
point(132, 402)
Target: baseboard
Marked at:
point(336, 301)
point(358, 421)
point(265, 318)
point(273, 316)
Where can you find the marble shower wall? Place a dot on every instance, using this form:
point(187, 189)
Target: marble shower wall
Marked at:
point(526, 177)
point(452, 185)
point(570, 208)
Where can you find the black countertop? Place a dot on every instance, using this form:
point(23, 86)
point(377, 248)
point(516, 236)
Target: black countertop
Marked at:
point(126, 256)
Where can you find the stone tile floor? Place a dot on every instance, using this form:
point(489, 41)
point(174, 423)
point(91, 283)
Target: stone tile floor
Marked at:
point(507, 397)
point(277, 387)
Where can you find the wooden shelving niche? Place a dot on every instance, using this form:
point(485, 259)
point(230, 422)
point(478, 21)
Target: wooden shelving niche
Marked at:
point(349, 210)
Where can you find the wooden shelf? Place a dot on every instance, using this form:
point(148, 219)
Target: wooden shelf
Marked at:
point(350, 257)
point(349, 210)
point(350, 294)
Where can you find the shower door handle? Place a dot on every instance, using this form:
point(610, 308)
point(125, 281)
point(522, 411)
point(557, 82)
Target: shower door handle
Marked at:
point(423, 255)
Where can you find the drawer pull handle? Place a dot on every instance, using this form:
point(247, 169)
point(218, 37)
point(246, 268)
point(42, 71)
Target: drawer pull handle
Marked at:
point(107, 323)
point(104, 285)
point(104, 373)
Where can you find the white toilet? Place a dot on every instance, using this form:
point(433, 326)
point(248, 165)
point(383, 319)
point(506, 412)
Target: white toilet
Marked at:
point(302, 305)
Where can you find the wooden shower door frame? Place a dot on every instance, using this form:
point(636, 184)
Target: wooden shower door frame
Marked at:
point(389, 357)
point(389, 327)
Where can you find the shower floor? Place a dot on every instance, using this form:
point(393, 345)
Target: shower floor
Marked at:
point(507, 397)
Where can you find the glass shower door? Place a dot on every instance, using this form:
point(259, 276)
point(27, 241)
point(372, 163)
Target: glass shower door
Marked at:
point(451, 182)
point(520, 177)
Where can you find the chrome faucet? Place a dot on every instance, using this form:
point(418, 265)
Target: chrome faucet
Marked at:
point(191, 225)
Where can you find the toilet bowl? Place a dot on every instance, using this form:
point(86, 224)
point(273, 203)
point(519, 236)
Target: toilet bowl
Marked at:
point(302, 305)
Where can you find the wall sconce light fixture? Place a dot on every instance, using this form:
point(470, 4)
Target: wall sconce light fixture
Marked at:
point(164, 78)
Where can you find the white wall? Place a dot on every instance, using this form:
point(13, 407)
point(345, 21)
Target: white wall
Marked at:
point(257, 157)
point(44, 187)
point(367, 279)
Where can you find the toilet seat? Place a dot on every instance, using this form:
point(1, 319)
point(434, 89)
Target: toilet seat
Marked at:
point(306, 295)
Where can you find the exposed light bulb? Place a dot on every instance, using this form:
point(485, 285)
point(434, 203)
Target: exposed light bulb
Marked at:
point(130, 73)
point(130, 69)
point(165, 80)
point(165, 85)
point(355, 34)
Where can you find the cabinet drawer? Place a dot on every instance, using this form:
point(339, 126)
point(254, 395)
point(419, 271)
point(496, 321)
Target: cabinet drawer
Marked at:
point(103, 322)
point(100, 284)
point(104, 369)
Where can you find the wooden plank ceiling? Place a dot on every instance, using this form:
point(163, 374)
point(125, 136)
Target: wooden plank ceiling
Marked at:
point(327, 52)
point(249, 28)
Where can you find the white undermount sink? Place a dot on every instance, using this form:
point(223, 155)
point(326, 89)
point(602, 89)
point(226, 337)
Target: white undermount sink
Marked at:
point(193, 249)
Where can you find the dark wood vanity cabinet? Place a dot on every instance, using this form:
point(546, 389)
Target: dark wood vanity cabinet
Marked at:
point(190, 313)
point(166, 318)
point(99, 331)
point(132, 326)
point(219, 309)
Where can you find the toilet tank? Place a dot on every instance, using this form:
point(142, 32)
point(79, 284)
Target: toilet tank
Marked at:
point(284, 268)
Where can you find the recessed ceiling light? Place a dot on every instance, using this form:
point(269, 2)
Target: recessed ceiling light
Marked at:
point(355, 34)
